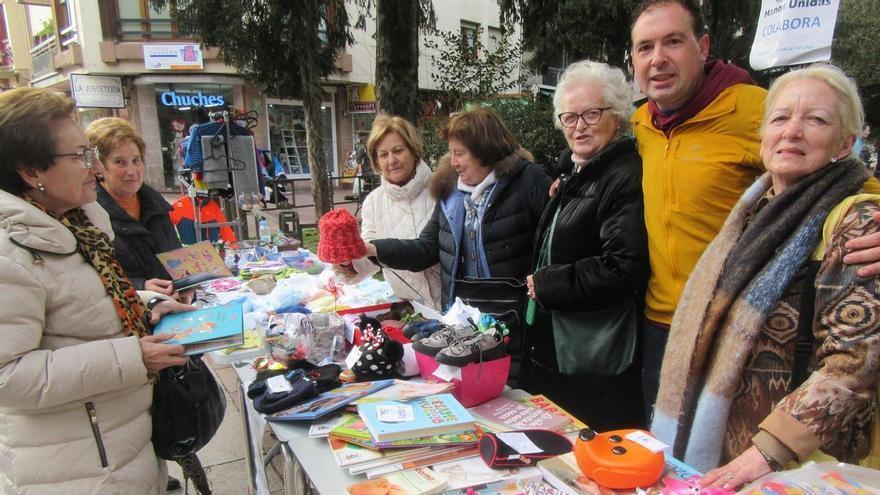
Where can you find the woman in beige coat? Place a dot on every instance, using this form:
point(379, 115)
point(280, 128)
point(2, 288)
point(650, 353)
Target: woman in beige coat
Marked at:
point(75, 356)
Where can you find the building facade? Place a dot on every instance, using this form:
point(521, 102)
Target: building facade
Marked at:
point(124, 58)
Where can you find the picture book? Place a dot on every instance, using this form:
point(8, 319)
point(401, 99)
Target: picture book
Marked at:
point(354, 430)
point(195, 259)
point(563, 473)
point(542, 402)
point(422, 481)
point(465, 473)
point(204, 330)
point(329, 401)
point(396, 456)
point(404, 390)
point(432, 415)
point(322, 427)
point(430, 458)
point(347, 454)
point(515, 415)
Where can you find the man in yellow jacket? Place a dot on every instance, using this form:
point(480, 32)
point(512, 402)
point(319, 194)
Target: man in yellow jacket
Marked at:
point(699, 138)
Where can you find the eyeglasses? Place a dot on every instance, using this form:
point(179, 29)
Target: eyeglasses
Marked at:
point(590, 116)
point(87, 155)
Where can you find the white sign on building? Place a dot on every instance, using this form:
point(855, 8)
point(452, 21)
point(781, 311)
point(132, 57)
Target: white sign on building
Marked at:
point(96, 91)
point(173, 57)
point(793, 32)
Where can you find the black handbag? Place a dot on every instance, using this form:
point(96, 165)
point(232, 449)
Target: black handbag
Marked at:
point(503, 298)
point(188, 407)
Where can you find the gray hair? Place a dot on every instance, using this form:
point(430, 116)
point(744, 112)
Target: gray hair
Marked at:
point(617, 92)
point(852, 113)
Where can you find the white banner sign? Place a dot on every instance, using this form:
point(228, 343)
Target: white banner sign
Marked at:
point(793, 32)
point(173, 57)
point(96, 91)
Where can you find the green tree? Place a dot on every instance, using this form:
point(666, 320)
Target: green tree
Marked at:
point(284, 47)
point(466, 71)
point(857, 36)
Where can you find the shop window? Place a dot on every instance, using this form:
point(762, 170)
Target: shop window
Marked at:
point(139, 20)
point(178, 107)
point(287, 137)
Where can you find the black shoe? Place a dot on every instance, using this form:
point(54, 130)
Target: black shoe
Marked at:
point(173, 484)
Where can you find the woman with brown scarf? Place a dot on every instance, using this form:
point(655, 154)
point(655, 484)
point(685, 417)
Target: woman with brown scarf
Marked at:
point(75, 354)
point(774, 348)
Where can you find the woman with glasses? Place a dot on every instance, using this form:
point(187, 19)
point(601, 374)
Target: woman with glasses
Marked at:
point(591, 247)
point(75, 355)
point(139, 214)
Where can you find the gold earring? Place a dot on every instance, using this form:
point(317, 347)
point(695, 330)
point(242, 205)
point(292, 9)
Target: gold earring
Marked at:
point(41, 187)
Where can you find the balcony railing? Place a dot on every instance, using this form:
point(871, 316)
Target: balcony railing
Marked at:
point(138, 28)
point(42, 63)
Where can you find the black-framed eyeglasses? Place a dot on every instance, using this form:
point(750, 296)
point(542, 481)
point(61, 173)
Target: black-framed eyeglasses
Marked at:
point(590, 116)
point(87, 155)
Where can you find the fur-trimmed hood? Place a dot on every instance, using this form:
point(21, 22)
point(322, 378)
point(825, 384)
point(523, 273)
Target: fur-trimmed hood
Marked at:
point(445, 178)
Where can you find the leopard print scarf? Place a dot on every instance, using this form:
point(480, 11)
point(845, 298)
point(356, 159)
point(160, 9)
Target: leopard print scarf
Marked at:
point(94, 245)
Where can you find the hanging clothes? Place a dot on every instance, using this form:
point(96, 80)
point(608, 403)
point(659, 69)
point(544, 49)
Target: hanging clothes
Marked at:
point(183, 217)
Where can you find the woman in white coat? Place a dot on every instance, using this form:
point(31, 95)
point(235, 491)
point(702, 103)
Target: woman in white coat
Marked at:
point(75, 357)
point(400, 207)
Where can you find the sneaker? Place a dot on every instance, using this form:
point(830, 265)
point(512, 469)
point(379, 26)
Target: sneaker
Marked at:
point(474, 349)
point(440, 339)
point(421, 328)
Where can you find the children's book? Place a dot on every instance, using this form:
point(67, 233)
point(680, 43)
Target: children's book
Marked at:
point(354, 430)
point(464, 473)
point(421, 481)
point(542, 402)
point(204, 330)
point(432, 415)
point(347, 454)
point(515, 415)
point(322, 427)
point(193, 265)
point(329, 401)
point(404, 390)
point(430, 458)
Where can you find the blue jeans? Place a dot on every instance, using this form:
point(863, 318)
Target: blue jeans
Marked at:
point(654, 336)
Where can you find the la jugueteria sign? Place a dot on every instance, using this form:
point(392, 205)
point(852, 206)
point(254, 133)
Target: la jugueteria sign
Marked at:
point(172, 99)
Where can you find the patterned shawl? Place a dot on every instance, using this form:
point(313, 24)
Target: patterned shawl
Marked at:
point(738, 280)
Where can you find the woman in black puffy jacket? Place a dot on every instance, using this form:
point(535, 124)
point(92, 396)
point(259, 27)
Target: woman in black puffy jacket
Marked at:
point(597, 246)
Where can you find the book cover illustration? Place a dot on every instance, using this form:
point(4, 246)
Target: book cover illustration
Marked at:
point(347, 454)
point(329, 401)
point(464, 473)
point(322, 427)
point(515, 415)
point(422, 481)
point(215, 327)
point(431, 415)
point(574, 424)
point(194, 259)
point(403, 390)
point(354, 430)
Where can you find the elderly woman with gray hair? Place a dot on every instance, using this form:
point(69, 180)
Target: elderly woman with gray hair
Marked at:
point(591, 256)
point(776, 339)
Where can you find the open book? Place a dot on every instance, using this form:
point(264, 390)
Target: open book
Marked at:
point(193, 265)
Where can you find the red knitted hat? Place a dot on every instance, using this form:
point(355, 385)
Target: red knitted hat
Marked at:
point(340, 240)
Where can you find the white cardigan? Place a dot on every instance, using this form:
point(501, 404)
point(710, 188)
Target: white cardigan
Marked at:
point(400, 212)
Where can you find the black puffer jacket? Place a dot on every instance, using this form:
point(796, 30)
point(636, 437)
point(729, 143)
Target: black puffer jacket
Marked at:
point(599, 249)
point(508, 227)
point(138, 241)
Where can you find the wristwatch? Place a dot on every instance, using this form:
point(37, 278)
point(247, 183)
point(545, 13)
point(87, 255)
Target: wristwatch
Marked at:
point(773, 463)
point(152, 303)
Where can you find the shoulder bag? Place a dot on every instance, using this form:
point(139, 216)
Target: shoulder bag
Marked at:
point(592, 343)
point(188, 407)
